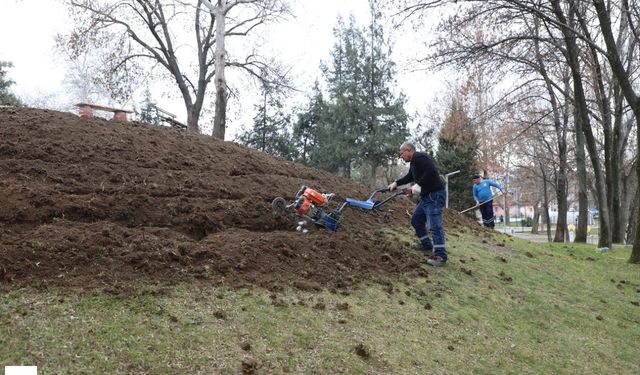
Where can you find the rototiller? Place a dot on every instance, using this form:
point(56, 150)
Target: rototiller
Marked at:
point(309, 204)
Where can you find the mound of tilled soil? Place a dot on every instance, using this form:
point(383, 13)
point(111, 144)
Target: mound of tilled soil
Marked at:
point(91, 203)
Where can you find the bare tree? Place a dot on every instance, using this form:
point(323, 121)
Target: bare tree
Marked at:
point(572, 55)
point(625, 80)
point(155, 34)
point(582, 30)
point(527, 52)
point(262, 11)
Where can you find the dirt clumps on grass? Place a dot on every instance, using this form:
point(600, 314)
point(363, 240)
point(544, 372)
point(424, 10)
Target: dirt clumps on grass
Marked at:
point(90, 203)
point(249, 366)
point(342, 306)
point(362, 351)
point(456, 222)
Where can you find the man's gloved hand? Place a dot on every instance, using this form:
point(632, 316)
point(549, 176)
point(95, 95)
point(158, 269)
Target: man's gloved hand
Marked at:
point(477, 203)
point(393, 186)
point(413, 189)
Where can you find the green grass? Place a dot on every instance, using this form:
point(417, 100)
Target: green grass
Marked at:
point(501, 306)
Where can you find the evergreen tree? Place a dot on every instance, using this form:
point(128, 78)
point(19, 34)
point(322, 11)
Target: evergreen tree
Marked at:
point(148, 112)
point(386, 119)
point(6, 97)
point(426, 138)
point(270, 132)
point(458, 150)
point(305, 128)
point(337, 134)
point(362, 123)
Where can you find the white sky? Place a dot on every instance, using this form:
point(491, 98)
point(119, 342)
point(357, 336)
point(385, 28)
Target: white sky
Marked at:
point(28, 28)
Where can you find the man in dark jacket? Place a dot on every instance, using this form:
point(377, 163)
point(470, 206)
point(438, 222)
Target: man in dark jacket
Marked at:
point(428, 213)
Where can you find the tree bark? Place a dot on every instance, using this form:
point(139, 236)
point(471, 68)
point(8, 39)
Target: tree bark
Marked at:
point(536, 219)
point(583, 199)
point(582, 111)
point(613, 154)
point(633, 219)
point(629, 93)
point(561, 173)
point(193, 117)
point(545, 204)
point(219, 81)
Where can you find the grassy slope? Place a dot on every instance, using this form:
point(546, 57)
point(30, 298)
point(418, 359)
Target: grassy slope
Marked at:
point(517, 308)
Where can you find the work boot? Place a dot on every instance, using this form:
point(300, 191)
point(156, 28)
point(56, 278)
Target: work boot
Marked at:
point(436, 261)
point(428, 251)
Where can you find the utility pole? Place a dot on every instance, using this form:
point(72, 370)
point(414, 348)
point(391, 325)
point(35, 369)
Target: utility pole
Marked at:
point(504, 199)
point(446, 186)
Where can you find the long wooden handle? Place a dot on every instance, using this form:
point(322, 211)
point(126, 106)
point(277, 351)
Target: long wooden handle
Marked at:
point(480, 204)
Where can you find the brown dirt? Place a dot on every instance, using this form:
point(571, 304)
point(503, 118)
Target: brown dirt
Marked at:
point(90, 203)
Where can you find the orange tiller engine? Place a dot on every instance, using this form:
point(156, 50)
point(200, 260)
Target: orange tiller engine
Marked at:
point(306, 197)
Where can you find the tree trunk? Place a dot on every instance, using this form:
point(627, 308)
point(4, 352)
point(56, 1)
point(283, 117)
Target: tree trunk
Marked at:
point(561, 197)
point(617, 214)
point(583, 198)
point(546, 201)
point(507, 218)
point(193, 116)
point(536, 218)
point(635, 251)
point(611, 163)
point(630, 196)
point(559, 126)
point(617, 157)
point(629, 93)
point(220, 82)
point(582, 111)
point(633, 219)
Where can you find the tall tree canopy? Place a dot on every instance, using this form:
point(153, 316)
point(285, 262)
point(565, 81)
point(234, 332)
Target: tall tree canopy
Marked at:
point(137, 36)
point(363, 121)
point(577, 58)
point(458, 150)
point(270, 130)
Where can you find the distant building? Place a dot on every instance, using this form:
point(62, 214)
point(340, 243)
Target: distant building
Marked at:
point(521, 212)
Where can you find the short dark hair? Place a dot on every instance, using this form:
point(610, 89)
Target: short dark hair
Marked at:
point(474, 176)
point(408, 146)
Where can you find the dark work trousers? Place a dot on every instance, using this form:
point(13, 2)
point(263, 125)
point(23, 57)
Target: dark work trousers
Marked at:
point(488, 219)
point(428, 216)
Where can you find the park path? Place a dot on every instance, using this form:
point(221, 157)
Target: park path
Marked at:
point(525, 233)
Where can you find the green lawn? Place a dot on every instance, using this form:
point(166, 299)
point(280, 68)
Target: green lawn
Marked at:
point(501, 306)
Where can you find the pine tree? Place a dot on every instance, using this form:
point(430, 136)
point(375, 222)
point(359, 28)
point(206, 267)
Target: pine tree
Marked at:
point(305, 128)
point(386, 121)
point(337, 134)
point(270, 132)
point(458, 150)
point(6, 97)
point(148, 112)
point(362, 123)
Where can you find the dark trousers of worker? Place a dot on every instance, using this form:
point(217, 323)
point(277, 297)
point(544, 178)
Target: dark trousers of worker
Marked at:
point(488, 219)
point(428, 217)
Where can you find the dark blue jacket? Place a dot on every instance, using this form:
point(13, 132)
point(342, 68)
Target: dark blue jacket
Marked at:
point(423, 171)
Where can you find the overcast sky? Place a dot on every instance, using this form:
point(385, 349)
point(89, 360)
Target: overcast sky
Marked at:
point(28, 28)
